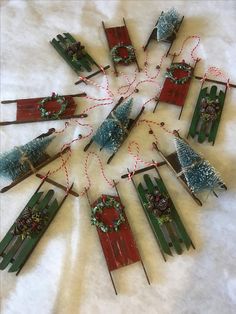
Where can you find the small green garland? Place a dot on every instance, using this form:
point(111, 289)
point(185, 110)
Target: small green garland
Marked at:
point(108, 202)
point(182, 66)
point(52, 115)
point(115, 54)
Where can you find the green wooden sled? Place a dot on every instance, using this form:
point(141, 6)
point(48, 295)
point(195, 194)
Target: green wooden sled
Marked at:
point(171, 235)
point(200, 127)
point(15, 249)
point(84, 63)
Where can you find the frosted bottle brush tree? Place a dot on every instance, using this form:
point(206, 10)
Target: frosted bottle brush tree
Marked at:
point(199, 173)
point(21, 159)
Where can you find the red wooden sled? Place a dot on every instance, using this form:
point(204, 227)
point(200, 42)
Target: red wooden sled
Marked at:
point(119, 36)
point(119, 246)
point(173, 93)
point(28, 112)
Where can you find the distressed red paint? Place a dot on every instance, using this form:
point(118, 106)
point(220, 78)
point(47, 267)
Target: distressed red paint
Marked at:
point(119, 247)
point(173, 93)
point(27, 109)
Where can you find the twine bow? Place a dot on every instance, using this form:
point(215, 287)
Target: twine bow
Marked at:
point(24, 158)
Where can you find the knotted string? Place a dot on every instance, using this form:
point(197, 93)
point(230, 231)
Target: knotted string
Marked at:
point(214, 71)
point(175, 54)
point(109, 182)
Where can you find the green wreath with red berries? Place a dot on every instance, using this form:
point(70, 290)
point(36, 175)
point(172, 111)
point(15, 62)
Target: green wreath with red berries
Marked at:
point(55, 114)
point(182, 66)
point(108, 202)
point(117, 58)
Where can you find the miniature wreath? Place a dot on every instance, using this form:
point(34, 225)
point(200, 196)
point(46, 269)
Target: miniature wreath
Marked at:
point(49, 114)
point(117, 58)
point(209, 109)
point(184, 67)
point(108, 202)
point(159, 204)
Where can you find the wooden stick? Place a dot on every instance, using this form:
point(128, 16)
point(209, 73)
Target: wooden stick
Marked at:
point(91, 75)
point(26, 175)
point(214, 81)
point(60, 186)
point(175, 38)
point(21, 99)
point(4, 123)
point(150, 37)
point(159, 164)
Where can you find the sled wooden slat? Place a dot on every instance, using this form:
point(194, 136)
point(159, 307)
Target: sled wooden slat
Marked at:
point(119, 35)
point(28, 110)
point(173, 93)
point(119, 247)
point(14, 249)
point(163, 244)
point(202, 128)
point(180, 227)
point(170, 234)
point(9, 236)
point(84, 63)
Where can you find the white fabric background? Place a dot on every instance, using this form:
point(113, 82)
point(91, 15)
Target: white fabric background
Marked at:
point(67, 272)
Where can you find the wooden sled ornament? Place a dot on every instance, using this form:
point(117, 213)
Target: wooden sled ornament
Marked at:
point(176, 85)
point(23, 236)
point(76, 56)
point(206, 117)
point(161, 213)
point(173, 162)
point(42, 162)
point(44, 109)
point(128, 129)
point(121, 48)
point(115, 235)
point(168, 40)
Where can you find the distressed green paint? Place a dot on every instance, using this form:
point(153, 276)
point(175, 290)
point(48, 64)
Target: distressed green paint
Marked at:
point(83, 64)
point(31, 243)
point(215, 125)
point(18, 249)
point(196, 119)
point(175, 229)
point(164, 246)
point(175, 216)
point(9, 236)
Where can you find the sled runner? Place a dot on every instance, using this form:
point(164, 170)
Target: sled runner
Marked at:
point(75, 55)
point(23, 236)
point(120, 45)
point(161, 213)
point(115, 235)
point(54, 107)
